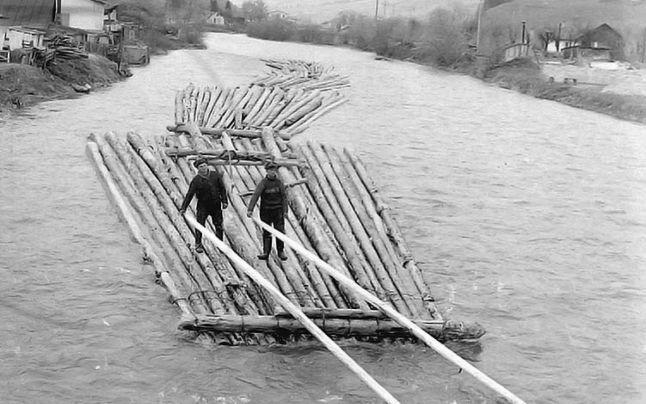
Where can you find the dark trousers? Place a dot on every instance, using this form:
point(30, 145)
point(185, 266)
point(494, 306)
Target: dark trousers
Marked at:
point(216, 218)
point(276, 218)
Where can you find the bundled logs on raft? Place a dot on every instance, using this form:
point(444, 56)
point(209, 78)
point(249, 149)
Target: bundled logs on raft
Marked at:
point(335, 212)
point(287, 102)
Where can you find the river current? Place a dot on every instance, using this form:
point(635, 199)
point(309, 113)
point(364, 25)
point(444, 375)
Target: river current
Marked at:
point(526, 216)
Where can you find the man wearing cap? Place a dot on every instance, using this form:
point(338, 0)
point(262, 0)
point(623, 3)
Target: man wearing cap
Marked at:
point(273, 208)
point(211, 199)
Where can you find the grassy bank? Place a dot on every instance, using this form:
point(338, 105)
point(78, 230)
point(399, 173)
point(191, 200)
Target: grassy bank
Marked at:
point(23, 85)
point(525, 76)
point(441, 41)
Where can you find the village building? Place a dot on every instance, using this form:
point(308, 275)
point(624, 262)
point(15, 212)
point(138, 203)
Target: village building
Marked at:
point(23, 37)
point(278, 14)
point(31, 15)
point(558, 44)
point(603, 40)
point(215, 19)
point(83, 14)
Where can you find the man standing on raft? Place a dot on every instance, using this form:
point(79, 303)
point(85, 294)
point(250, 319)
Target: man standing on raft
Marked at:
point(273, 208)
point(211, 199)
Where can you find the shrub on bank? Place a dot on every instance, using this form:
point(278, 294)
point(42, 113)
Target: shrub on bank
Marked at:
point(525, 76)
point(156, 33)
point(274, 29)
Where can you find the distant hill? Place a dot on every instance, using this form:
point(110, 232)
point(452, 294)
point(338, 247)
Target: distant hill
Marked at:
point(626, 16)
point(322, 10)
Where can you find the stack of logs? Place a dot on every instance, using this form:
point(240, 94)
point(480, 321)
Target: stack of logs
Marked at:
point(285, 102)
point(335, 211)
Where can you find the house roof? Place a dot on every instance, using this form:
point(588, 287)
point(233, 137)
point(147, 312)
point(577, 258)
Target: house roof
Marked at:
point(31, 13)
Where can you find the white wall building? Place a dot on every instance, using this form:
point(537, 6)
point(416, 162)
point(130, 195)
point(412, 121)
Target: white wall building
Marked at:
point(83, 14)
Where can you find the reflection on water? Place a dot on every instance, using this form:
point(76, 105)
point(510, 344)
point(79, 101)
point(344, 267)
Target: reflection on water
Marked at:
point(526, 216)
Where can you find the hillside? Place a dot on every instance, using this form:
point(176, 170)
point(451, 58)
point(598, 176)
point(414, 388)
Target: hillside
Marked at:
point(624, 15)
point(323, 10)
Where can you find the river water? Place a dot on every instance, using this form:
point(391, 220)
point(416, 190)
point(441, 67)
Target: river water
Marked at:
point(525, 215)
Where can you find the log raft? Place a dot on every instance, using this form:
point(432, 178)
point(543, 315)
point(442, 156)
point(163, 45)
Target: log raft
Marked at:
point(336, 212)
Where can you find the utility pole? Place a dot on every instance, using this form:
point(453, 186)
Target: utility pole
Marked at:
point(478, 29)
point(376, 9)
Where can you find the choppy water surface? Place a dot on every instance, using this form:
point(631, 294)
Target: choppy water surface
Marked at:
point(526, 215)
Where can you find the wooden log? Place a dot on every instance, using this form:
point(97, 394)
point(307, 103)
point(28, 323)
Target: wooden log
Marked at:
point(273, 114)
point(214, 161)
point(257, 93)
point(303, 111)
point(339, 327)
point(221, 108)
point(380, 271)
point(221, 153)
point(287, 305)
point(400, 276)
point(379, 227)
point(203, 104)
point(248, 133)
point(323, 284)
point(392, 313)
point(319, 188)
point(186, 100)
point(208, 108)
point(295, 105)
point(126, 213)
point(241, 209)
point(236, 238)
point(153, 194)
point(290, 184)
point(128, 188)
point(325, 312)
point(299, 283)
point(255, 109)
point(178, 107)
point(295, 129)
point(229, 117)
point(192, 104)
point(320, 240)
point(394, 234)
point(217, 105)
point(271, 103)
point(224, 278)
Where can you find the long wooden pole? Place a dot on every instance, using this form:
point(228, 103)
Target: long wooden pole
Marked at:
point(392, 313)
point(137, 233)
point(296, 312)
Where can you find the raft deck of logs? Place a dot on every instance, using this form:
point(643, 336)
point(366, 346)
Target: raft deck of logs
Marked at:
point(335, 211)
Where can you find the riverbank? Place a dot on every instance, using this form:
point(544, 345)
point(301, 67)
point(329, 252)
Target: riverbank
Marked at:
point(527, 77)
point(446, 49)
point(24, 85)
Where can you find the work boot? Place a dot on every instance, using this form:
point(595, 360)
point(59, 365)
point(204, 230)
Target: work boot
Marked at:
point(266, 248)
point(199, 248)
point(282, 256)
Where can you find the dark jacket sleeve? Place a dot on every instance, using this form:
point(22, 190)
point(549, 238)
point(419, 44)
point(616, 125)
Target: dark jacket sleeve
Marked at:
point(283, 195)
point(223, 190)
point(189, 195)
point(256, 195)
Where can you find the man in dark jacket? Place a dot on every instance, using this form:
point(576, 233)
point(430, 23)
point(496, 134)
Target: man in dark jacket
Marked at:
point(273, 208)
point(211, 199)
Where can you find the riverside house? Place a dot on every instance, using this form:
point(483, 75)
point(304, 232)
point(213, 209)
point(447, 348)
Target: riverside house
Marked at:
point(31, 16)
point(83, 14)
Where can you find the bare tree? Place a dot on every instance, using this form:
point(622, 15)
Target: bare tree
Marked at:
point(254, 11)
